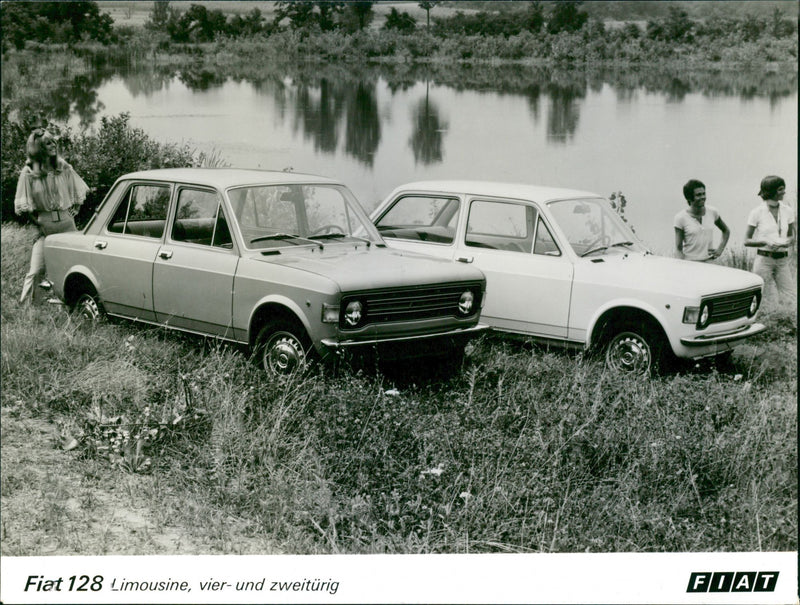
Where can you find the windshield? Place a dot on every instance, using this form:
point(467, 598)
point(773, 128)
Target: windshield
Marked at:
point(592, 227)
point(278, 216)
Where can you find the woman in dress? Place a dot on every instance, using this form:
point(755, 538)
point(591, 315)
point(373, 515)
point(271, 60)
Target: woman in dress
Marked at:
point(50, 193)
point(771, 229)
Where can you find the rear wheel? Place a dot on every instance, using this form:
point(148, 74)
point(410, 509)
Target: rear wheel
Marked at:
point(88, 307)
point(282, 348)
point(634, 347)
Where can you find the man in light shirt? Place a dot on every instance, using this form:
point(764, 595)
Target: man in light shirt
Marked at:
point(694, 226)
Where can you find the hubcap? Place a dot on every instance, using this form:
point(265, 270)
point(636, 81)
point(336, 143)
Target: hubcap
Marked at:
point(87, 308)
point(628, 352)
point(283, 354)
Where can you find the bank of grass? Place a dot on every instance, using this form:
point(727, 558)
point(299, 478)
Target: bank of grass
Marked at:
point(523, 450)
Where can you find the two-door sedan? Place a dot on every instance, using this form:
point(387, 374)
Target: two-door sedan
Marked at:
point(287, 264)
point(562, 266)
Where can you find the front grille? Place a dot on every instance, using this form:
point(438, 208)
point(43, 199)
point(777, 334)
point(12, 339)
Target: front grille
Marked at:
point(731, 306)
point(408, 304)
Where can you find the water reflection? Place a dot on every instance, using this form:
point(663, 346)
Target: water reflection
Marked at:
point(337, 108)
point(319, 117)
point(428, 128)
point(363, 132)
point(200, 79)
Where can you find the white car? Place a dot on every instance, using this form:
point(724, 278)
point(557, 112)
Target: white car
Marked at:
point(562, 266)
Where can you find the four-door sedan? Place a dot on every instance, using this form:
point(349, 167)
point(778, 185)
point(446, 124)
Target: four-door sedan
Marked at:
point(288, 264)
point(563, 267)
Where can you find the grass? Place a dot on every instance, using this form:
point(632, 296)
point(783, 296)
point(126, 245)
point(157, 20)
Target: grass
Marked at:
point(523, 450)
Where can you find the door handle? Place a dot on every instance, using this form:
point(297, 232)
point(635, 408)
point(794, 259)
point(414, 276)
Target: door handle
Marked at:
point(464, 259)
point(100, 245)
point(165, 254)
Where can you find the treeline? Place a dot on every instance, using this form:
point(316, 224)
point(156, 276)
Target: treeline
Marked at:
point(70, 22)
point(56, 22)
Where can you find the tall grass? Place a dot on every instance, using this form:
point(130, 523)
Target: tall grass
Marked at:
point(522, 451)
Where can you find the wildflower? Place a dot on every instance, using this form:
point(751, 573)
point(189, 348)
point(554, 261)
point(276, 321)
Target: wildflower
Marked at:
point(437, 471)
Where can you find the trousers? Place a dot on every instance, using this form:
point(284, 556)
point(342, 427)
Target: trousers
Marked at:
point(777, 270)
point(47, 226)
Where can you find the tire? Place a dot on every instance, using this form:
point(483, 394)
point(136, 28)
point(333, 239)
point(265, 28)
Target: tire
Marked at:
point(635, 348)
point(88, 307)
point(282, 348)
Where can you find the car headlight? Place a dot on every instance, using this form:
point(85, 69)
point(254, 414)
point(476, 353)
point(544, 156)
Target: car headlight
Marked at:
point(755, 302)
point(466, 303)
point(705, 316)
point(353, 313)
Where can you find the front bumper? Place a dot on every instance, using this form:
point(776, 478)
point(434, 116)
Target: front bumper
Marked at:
point(705, 340)
point(334, 344)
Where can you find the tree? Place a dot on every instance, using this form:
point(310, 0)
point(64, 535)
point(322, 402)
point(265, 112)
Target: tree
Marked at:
point(427, 7)
point(55, 22)
point(159, 16)
point(299, 14)
point(533, 17)
point(402, 22)
point(303, 13)
point(249, 25)
point(362, 11)
point(567, 16)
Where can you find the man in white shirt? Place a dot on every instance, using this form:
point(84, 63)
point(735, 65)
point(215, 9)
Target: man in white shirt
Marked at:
point(771, 230)
point(694, 226)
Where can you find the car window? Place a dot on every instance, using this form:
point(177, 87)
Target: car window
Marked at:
point(426, 218)
point(142, 211)
point(591, 225)
point(200, 219)
point(500, 225)
point(270, 208)
point(326, 210)
point(544, 242)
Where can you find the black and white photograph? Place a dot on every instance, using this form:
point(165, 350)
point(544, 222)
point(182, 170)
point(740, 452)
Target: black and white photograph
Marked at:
point(399, 302)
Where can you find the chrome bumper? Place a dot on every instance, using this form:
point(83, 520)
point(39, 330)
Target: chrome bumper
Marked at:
point(727, 337)
point(336, 344)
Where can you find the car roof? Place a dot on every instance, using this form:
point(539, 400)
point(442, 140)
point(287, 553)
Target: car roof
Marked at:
point(227, 177)
point(523, 191)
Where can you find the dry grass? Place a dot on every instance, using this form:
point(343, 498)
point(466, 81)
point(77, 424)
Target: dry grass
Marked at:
point(523, 451)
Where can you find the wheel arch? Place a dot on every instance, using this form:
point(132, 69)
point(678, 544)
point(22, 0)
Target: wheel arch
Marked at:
point(272, 309)
point(76, 283)
point(620, 314)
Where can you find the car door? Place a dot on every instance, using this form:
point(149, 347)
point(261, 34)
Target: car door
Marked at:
point(528, 279)
point(126, 247)
point(194, 268)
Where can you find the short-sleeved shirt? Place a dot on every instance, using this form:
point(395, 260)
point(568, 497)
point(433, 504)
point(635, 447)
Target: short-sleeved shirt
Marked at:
point(767, 228)
point(39, 191)
point(698, 234)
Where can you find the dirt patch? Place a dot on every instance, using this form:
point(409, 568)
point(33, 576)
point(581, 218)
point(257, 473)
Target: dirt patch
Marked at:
point(55, 504)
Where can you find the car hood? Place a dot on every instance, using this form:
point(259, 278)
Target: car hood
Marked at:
point(373, 267)
point(668, 275)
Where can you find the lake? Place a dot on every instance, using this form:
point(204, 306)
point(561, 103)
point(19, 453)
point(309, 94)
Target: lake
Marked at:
point(642, 133)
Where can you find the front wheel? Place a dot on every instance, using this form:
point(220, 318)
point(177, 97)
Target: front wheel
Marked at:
point(282, 349)
point(636, 349)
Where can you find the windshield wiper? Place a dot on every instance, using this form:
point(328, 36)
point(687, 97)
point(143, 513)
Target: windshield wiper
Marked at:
point(340, 236)
point(601, 248)
point(284, 236)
